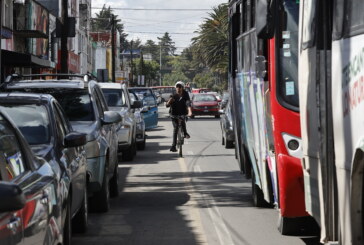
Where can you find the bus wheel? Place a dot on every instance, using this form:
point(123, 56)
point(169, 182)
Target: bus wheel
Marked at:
point(258, 197)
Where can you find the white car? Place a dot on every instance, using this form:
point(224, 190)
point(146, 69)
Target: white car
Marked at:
point(118, 99)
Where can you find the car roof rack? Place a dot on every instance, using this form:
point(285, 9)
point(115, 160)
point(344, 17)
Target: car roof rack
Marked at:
point(86, 77)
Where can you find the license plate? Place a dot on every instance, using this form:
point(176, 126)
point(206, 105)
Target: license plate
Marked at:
point(206, 111)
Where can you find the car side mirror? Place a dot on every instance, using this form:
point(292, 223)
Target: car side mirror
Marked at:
point(12, 197)
point(75, 139)
point(111, 117)
point(137, 104)
point(145, 109)
point(260, 66)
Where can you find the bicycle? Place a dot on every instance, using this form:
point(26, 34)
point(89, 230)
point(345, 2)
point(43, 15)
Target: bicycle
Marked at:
point(180, 134)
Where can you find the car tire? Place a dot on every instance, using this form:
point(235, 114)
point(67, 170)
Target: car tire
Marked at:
point(128, 155)
point(80, 221)
point(229, 144)
point(114, 183)
point(217, 116)
point(67, 228)
point(101, 200)
point(141, 145)
point(222, 140)
point(192, 117)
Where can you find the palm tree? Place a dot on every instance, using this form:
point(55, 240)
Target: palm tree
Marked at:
point(211, 45)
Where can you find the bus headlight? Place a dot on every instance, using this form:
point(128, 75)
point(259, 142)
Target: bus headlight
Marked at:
point(293, 145)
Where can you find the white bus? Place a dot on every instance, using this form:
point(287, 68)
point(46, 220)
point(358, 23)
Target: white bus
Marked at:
point(331, 82)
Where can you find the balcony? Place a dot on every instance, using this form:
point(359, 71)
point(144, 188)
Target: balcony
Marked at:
point(31, 20)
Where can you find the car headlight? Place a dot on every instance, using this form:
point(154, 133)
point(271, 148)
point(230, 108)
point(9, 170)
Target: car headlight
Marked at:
point(92, 149)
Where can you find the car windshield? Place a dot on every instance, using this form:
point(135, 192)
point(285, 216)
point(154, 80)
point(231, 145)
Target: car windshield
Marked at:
point(143, 92)
point(133, 97)
point(204, 97)
point(32, 120)
point(114, 97)
point(76, 104)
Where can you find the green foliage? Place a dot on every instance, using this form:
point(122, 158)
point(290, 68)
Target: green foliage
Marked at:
point(167, 47)
point(150, 69)
point(171, 78)
point(152, 48)
point(211, 44)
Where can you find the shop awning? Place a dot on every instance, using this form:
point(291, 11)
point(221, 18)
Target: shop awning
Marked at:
point(10, 58)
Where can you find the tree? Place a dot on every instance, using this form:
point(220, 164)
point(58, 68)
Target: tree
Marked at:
point(150, 69)
point(103, 21)
point(167, 46)
point(151, 47)
point(211, 44)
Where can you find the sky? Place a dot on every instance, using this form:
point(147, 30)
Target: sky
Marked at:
point(150, 24)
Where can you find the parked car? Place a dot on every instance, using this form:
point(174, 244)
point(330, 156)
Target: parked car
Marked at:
point(86, 109)
point(34, 206)
point(150, 107)
point(205, 104)
point(118, 99)
point(44, 125)
point(140, 124)
point(227, 127)
point(225, 100)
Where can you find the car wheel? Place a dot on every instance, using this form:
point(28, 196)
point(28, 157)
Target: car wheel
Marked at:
point(229, 144)
point(128, 155)
point(100, 200)
point(141, 145)
point(67, 228)
point(80, 221)
point(114, 183)
point(217, 116)
point(192, 116)
point(223, 140)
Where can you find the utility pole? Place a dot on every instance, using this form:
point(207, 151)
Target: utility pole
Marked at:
point(113, 48)
point(160, 64)
point(64, 37)
point(131, 60)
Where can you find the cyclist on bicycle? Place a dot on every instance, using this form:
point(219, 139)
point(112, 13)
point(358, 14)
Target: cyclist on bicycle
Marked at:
point(180, 105)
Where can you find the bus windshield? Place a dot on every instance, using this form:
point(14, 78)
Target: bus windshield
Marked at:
point(287, 43)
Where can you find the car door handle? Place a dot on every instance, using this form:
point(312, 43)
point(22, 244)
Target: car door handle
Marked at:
point(13, 224)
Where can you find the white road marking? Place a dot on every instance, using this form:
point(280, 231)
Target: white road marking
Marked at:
point(190, 153)
point(194, 212)
point(216, 217)
point(222, 231)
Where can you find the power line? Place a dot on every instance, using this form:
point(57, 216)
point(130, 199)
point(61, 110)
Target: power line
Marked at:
point(159, 9)
point(174, 33)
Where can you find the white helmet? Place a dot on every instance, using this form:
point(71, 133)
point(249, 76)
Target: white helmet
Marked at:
point(180, 83)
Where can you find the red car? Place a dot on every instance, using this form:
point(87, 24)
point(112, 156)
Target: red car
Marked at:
point(205, 104)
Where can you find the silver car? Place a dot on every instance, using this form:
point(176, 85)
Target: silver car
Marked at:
point(84, 104)
point(140, 131)
point(118, 99)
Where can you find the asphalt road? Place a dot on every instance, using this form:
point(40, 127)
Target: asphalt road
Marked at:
point(198, 199)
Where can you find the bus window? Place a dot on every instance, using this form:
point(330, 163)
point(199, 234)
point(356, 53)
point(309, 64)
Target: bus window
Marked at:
point(354, 21)
point(287, 39)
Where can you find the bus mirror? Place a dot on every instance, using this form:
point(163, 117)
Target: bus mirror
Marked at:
point(260, 66)
point(264, 18)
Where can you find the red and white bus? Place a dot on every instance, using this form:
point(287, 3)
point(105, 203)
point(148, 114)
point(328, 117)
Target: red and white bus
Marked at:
point(266, 106)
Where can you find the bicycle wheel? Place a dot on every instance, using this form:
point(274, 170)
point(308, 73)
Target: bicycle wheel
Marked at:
point(179, 141)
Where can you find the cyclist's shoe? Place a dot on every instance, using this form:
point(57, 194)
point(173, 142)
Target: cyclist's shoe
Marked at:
point(173, 148)
point(187, 136)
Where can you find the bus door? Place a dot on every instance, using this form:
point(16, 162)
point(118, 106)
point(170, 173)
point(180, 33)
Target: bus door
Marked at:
point(316, 115)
